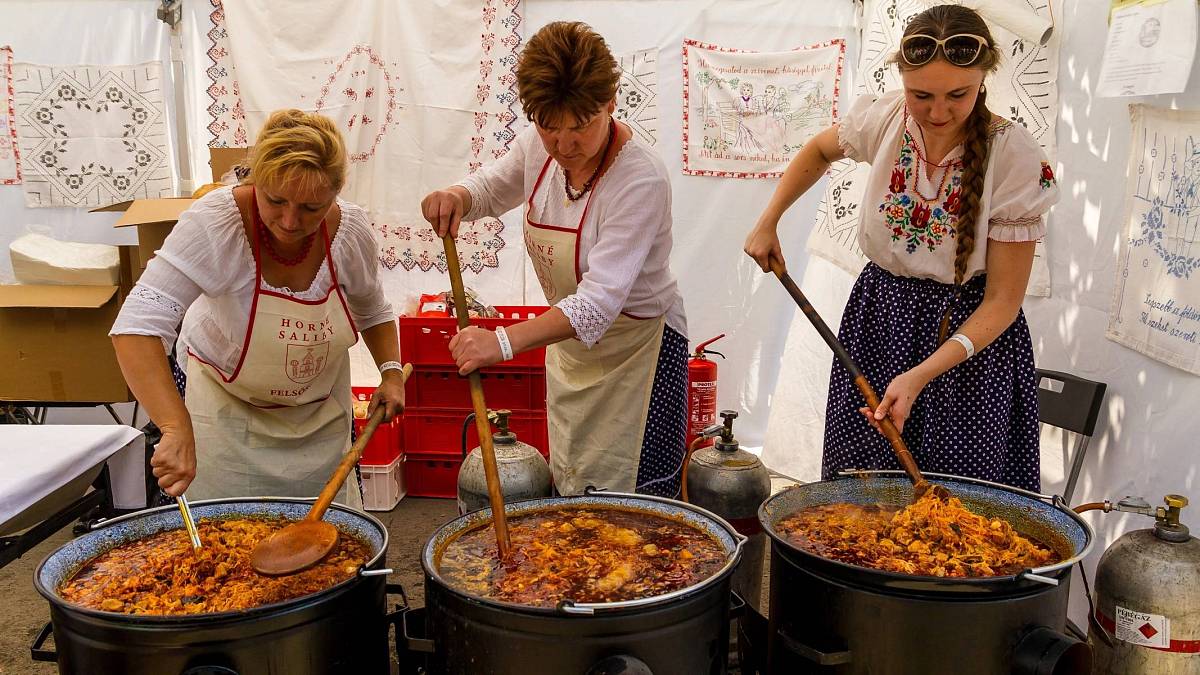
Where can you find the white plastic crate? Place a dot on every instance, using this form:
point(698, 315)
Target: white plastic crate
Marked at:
point(383, 486)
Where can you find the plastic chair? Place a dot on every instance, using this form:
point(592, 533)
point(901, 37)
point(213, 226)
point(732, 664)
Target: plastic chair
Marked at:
point(1071, 403)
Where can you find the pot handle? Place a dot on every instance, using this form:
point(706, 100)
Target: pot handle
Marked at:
point(737, 606)
point(413, 644)
point(36, 652)
point(812, 654)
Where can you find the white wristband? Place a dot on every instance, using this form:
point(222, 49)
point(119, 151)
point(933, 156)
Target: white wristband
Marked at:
point(965, 342)
point(506, 350)
point(390, 365)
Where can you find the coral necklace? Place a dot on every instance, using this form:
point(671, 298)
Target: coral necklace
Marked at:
point(945, 175)
point(571, 195)
point(305, 247)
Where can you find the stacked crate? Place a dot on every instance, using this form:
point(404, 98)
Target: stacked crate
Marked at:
point(382, 463)
point(438, 400)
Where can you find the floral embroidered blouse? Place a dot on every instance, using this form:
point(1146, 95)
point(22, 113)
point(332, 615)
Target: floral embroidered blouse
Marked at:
point(909, 213)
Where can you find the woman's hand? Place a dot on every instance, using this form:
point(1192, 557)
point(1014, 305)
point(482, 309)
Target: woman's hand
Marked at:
point(897, 401)
point(444, 210)
point(174, 460)
point(762, 243)
point(474, 348)
point(389, 394)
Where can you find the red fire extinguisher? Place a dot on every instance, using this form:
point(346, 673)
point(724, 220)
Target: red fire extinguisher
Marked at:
point(702, 390)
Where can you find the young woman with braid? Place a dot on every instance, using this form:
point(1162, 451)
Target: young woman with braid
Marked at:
point(955, 200)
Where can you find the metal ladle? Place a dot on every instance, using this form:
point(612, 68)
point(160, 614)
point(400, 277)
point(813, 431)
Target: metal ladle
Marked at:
point(304, 543)
point(920, 485)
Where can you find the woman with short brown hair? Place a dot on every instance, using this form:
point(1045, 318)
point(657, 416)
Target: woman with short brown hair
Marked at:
point(598, 231)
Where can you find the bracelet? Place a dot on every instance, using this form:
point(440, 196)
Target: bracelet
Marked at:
point(390, 365)
point(505, 346)
point(965, 342)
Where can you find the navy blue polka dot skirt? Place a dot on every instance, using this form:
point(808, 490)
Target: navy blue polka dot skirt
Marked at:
point(660, 467)
point(979, 419)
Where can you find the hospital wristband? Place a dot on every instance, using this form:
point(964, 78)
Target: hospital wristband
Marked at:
point(506, 350)
point(965, 342)
point(390, 365)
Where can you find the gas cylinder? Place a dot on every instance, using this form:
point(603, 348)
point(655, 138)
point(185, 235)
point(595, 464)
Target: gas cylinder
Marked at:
point(702, 389)
point(733, 483)
point(1147, 597)
point(524, 473)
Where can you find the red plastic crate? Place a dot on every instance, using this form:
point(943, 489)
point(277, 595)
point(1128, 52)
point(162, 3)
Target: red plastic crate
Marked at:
point(439, 432)
point(425, 340)
point(431, 475)
point(387, 443)
point(443, 387)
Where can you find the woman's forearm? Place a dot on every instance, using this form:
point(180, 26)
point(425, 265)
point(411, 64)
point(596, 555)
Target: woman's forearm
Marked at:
point(382, 341)
point(805, 169)
point(148, 374)
point(551, 327)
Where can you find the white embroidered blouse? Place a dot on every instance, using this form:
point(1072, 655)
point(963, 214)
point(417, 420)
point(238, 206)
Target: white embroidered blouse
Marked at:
point(907, 222)
point(625, 243)
point(204, 274)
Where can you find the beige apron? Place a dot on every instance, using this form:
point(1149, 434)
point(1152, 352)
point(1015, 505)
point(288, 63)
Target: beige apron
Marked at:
point(280, 423)
point(597, 399)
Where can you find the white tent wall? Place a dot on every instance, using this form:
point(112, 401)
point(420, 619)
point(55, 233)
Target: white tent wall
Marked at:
point(70, 33)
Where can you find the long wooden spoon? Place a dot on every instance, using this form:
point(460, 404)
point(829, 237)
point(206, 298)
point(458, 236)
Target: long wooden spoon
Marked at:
point(920, 485)
point(490, 472)
point(304, 543)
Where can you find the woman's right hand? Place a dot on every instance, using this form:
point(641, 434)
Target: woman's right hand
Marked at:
point(762, 243)
point(174, 461)
point(444, 210)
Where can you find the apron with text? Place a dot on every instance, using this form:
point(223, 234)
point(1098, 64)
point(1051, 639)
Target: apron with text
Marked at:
point(598, 399)
point(280, 423)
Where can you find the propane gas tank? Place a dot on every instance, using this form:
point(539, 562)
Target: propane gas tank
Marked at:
point(733, 483)
point(1147, 600)
point(524, 473)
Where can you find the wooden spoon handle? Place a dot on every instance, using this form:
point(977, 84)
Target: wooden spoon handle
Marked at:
point(491, 471)
point(889, 429)
point(350, 459)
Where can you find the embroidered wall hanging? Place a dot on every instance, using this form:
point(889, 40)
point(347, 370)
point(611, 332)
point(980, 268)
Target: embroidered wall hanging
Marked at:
point(746, 114)
point(91, 135)
point(1022, 89)
point(226, 119)
point(637, 94)
point(1156, 299)
point(10, 158)
point(412, 122)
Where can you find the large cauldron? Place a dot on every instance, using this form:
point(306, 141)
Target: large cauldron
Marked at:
point(832, 617)
point(340, 630)
point(683, 633)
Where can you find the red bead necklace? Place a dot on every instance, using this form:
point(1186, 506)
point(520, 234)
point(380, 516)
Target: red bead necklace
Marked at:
point(305, 247)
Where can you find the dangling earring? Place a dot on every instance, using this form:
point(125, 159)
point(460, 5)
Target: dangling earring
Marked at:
point(983, 88)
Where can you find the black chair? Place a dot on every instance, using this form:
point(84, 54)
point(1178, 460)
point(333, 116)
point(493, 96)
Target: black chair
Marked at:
point(1071, 403)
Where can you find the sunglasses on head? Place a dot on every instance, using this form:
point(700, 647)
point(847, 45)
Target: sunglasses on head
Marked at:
point(961, 50)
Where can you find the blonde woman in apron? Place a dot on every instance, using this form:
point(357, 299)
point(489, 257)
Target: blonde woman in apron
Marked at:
point(597, 227)
point(274, 278)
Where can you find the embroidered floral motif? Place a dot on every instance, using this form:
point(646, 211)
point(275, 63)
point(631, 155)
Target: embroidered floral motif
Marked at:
point(1047, 177)
point(920, 222)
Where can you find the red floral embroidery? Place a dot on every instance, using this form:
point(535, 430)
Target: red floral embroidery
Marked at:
point(897, 180)
point(920, 215)
point(1047, 178)
point(953, 202)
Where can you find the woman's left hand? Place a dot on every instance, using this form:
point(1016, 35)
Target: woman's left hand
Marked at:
point(474, 348)
point(897, 401)
point(389, 394)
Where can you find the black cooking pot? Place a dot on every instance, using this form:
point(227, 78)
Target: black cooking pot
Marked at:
point(832, 617)
point(685, 632)
point(342, 629)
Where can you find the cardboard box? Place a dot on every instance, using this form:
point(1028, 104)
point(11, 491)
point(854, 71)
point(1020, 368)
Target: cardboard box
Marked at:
point(54, 340)
point(153, 218)
point(220, 160)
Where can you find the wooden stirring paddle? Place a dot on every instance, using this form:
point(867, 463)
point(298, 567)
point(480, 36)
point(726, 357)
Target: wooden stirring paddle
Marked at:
point(304, 543)
point(920, 485)
point(490, 472)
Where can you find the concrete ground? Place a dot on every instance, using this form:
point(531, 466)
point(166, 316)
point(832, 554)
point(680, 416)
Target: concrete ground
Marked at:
point(410, 524)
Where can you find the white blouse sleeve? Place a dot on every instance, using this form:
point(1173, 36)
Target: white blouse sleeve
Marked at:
point(1023, 187)
point(865, 125)
point(358, 270)
point(196, 258)
point(499, 187)
point(629, 224)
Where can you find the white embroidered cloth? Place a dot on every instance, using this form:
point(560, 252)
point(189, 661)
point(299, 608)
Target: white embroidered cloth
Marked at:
point(1156, 297)
point(637, 94)
point(10, 167)
point(746, 114)
point(1022, 89)
point(91, 135)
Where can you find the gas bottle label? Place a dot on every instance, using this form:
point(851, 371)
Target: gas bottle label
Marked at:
point(1140, 628)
